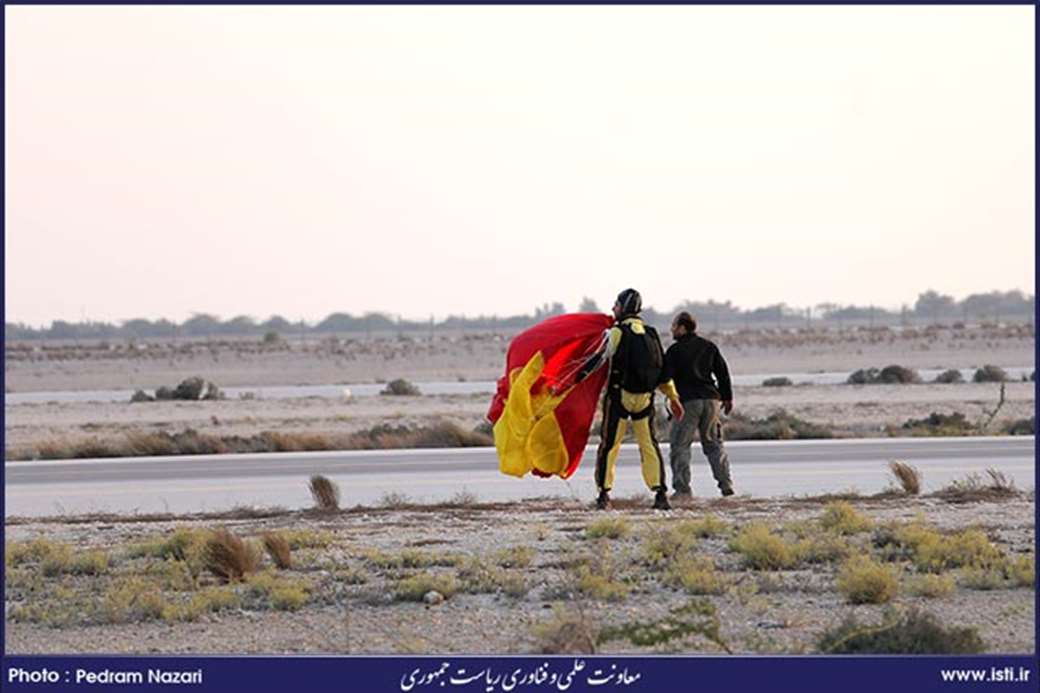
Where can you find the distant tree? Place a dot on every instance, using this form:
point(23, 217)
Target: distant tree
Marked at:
point(547, 311)
point(242, 324)
point(588, 306)
point(201, 325)
point(933, 305)
point(276, 323)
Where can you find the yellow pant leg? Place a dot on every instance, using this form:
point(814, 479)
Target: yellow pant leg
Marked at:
point(649, 454)
point(613, 453)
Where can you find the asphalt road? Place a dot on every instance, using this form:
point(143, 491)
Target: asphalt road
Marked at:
point(218, 482)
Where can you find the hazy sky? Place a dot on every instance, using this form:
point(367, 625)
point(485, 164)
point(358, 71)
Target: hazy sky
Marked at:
point(431, 160)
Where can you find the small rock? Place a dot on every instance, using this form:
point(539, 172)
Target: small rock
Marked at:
point(433, 597)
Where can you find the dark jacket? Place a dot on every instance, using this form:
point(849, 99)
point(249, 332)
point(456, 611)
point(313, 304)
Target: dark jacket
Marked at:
point(691, 362)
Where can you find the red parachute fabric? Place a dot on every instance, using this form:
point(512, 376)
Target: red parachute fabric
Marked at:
point(564, 342)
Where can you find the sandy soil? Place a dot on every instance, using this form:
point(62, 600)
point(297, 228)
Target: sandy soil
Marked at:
point(854, 410)
point(850, 410)
point(759, 611)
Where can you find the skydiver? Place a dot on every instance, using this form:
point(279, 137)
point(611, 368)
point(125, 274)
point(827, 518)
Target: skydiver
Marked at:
point(636, 361)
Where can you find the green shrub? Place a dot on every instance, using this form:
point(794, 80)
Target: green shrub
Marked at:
point(609, 527)
point(1022, 571)
point(762, 550)
point(413, 589)
point(862, 581)
point(983, 579)
point(514, 557)
point(841, 517)
point(706, 527)
point(823, 549)
point(697, 617)
point(932, 586)
point(969, 548)
point(914, 632)
point(666, 542)
point(90, 563)
point(132, 599)
point(288, 597)
point(780, 381)
point(696, 576)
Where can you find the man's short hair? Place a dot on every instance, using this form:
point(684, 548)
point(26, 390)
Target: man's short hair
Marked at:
point(686, 320)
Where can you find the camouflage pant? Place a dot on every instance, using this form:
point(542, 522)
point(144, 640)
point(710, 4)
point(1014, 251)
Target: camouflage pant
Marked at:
point(701, 416)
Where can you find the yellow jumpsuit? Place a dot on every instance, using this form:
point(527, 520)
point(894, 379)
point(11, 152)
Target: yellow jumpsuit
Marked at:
point(619, 405)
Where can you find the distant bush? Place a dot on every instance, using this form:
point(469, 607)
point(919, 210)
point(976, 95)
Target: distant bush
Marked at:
point(780, 425)
point(272, 338)
point(940, 424)
point(888, 375)
point(914, 632)
point(777, 382)
point(1022, 427)
point(949, 377)
point(141, 396)
point(864, 376)
point(400, 387)
point(990, 374)
point(896, 374)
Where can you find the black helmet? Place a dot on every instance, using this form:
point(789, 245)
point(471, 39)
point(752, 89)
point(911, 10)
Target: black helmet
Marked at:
point(630, 302)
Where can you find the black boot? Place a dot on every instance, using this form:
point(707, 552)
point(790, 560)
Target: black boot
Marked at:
point(661, 500)
point(603, 501)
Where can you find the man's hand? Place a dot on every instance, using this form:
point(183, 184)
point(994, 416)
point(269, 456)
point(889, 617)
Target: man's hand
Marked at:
point(677, 409)
point(727, 406)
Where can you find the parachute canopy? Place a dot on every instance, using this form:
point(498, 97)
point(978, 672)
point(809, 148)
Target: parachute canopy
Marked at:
point(541, 416)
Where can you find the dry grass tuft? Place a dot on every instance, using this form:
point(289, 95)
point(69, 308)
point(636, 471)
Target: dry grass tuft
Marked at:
point(907, 475)
point(230, 558)
point(278, 549)
point(972, 488)
point(566, 633)
point(325, 493)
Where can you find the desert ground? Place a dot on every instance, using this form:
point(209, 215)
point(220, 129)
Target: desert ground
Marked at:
point(527, 577)
point(850, 411)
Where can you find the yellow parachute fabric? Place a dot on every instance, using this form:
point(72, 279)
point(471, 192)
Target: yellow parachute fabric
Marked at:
point(527, 435)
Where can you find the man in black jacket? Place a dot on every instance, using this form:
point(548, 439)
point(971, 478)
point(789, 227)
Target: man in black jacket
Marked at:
point(702, 378)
